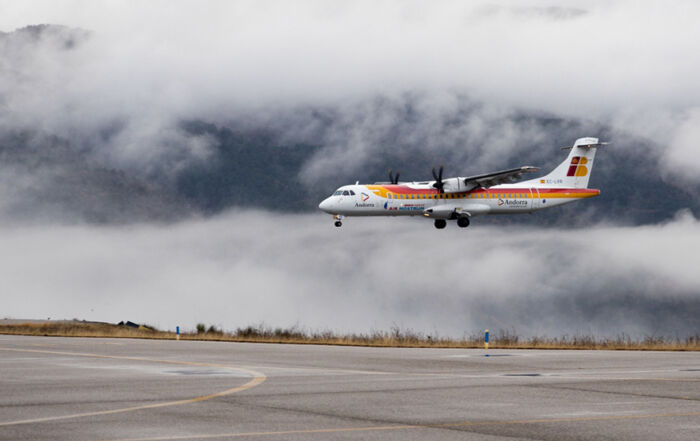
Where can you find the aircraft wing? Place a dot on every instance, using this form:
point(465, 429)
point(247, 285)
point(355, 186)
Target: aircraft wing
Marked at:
point(500, 177)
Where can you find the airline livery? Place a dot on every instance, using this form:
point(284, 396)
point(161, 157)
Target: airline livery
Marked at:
point(462, 198)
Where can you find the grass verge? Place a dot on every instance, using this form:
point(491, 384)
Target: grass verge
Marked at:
point(395, 337)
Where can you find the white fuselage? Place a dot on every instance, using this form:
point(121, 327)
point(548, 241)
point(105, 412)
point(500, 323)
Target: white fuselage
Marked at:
point(420, 198)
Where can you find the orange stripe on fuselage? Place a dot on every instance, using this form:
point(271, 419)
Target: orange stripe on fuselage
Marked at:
point(384, 190)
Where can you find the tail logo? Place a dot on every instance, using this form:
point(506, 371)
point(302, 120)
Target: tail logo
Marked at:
point(578, 166)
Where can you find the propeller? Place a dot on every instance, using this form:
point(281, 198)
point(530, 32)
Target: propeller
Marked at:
point(391, 176)
point(438, 180)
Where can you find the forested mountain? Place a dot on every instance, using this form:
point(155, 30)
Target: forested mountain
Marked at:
point(289, 158)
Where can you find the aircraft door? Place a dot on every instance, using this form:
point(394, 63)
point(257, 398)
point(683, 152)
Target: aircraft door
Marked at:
point(344, 196)
point(392, 204)
point(535, 198)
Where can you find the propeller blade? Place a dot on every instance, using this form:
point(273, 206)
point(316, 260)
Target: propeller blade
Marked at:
point(391, 177)
point(438, 179)
point(398, 173)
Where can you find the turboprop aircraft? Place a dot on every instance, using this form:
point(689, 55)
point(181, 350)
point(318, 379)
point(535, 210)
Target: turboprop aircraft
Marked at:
point(462, 198)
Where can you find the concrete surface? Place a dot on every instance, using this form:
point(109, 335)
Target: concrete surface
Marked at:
point(117, 389)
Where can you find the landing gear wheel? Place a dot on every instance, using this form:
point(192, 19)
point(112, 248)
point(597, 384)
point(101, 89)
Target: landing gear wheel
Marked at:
point(463, 222)
point(440, 223)
point(338, 224)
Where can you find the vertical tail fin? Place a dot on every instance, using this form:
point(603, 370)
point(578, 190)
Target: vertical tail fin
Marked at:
point(575, 171)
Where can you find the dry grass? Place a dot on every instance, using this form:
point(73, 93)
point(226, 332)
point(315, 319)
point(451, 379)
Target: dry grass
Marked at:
point(395, 337)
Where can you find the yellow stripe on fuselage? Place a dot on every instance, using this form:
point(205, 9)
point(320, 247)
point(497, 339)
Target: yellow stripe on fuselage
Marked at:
point(496, 193)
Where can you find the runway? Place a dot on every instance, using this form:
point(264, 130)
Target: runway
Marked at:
point(120, 389)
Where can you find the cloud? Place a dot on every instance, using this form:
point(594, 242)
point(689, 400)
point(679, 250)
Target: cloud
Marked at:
point(146, 67)
point(251, 267)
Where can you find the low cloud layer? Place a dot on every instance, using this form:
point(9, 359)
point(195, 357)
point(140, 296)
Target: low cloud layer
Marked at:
point(124, 86)
point(371, 274)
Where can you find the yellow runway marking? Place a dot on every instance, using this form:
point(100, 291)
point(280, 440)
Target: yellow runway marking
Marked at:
point(257, 379)
point(411, 427)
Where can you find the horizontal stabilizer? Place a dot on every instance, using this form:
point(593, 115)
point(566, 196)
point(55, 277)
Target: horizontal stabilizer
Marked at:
point(587, 146)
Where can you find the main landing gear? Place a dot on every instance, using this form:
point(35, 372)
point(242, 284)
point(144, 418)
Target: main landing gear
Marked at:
point(462, 221)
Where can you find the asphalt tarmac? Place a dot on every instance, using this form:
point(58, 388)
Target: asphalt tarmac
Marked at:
point(119, 389)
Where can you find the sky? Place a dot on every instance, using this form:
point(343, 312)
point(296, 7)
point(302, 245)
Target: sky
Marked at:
point(140, 68)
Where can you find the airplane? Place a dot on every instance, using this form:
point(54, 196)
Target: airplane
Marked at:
point(461, 198)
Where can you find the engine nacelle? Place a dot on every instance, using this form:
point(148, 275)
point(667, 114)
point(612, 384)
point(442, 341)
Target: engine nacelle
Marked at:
point(453, 185)
point(458, 185)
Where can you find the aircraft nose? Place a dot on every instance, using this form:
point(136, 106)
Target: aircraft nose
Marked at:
point(325, 205)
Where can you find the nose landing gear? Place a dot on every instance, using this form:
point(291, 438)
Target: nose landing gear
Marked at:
point(338, 220)
point(338, 223)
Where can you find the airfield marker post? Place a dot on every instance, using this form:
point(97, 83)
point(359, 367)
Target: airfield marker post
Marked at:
point(177, 333)
point(486, 339)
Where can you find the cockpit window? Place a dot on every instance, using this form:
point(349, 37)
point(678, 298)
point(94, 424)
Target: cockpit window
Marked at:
point(338, 193)
point(346, 193)
point(352, 193)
